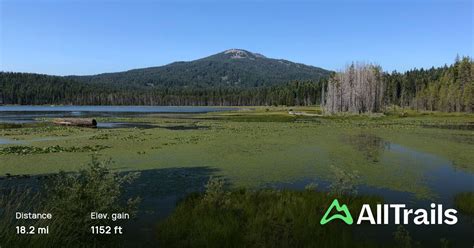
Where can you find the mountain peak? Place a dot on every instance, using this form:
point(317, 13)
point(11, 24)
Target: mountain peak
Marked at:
point(229, 68)
point(242, 54)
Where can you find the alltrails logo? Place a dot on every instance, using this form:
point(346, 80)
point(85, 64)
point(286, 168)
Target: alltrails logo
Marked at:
point(347, 217)
point(401, 214)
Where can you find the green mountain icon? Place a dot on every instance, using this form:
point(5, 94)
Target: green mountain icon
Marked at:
point(347, 217)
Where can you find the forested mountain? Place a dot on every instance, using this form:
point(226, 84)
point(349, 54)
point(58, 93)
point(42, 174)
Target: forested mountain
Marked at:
point(233, 77)
point(231, 68)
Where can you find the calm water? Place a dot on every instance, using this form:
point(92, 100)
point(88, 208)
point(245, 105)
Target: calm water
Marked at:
point(25, 113)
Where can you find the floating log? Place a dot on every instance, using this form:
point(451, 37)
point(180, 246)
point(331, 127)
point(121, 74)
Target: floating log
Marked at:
point(303, 114)
point(79, 122)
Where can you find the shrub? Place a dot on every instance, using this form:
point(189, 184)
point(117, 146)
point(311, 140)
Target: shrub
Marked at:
point(70, 198)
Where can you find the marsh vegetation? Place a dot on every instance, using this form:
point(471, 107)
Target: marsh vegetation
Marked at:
point(399, 156)
point(263, 218)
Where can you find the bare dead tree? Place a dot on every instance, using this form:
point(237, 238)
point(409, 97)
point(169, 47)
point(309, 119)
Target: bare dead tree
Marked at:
point(357, 89)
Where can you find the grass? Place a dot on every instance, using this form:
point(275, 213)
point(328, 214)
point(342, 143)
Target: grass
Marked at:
point(465, 202)
point(270, 218)
point(264, 218)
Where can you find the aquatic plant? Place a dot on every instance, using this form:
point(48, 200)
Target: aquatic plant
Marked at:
point(101, 136)
point(27, 150)
point(311, 186)
point(344, 182)
point(215, 193)
point(263, 151)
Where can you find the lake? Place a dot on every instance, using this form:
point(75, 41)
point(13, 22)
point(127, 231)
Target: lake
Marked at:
point(28, 113)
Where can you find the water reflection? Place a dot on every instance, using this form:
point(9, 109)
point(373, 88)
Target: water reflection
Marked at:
point(370, 145)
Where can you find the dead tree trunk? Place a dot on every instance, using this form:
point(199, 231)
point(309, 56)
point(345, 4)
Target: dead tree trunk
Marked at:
point(79, 122)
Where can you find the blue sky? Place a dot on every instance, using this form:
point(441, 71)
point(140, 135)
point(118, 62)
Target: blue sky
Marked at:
point(88, 37)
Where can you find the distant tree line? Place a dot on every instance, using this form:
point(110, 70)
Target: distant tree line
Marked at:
point(359, 88)
point(35, 89)
point(447, 89)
